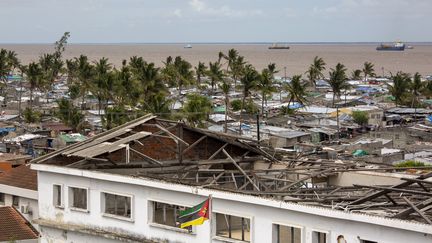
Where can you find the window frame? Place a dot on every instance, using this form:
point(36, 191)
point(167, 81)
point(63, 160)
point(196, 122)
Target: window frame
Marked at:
point(151, 217)
point(3, 196)
point(227, 239)
point(13, 201)
point(327, 238)
point(103, 205)
point(70, 199)
point(62, 204)
point(300, 227)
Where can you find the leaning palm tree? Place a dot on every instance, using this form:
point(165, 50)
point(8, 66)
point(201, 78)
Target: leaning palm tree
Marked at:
point(315, 70)
point(231, 58)
point(200, 71)
point(356, 74)
point(338, 80)
point(401, 83)
point(297, 90)
point(368, 70)
point(215, 74)
point(34, 75)
point(225, 87)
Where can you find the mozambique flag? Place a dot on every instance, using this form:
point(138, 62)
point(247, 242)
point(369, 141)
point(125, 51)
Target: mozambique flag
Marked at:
point(195, 215)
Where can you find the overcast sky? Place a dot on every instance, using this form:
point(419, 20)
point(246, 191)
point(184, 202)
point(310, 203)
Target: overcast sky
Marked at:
point(114, 21)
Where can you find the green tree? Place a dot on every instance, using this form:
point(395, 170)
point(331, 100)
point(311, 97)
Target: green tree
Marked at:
point(338, 80)
point(31, 116)
point(417, 87)
point(297, 90)
point(215, 74)
point(360, 117)
point(400, 87)
point(34, 75)
point(249, 81)
point(265, 86)
point(356, 74)
point(315, 70)
point(69, 114)
point(225, 87)
point(102, 80)
point(115, 116)
point(197, 109)
point(368, 70)
point(200, 71)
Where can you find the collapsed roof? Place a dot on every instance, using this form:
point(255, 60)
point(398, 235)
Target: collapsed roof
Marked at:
point(171, 151)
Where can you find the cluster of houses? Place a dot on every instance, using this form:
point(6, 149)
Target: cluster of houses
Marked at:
point(311, 176)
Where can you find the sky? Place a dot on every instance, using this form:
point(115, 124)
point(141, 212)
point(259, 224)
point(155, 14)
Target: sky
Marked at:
point(191, 21)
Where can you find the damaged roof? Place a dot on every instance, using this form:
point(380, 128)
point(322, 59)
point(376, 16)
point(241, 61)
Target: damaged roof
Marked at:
point(150, 147)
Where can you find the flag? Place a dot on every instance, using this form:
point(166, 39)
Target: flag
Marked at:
point(195, 215)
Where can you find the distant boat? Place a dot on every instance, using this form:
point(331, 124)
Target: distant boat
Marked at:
point(397, 46)
point(278, 46)
point(188, 46)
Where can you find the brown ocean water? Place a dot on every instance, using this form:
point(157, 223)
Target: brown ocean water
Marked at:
point(296, 60)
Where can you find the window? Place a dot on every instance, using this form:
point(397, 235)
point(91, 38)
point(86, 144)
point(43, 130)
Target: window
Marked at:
point(117, 205)
point(57, 195)
point(232, 227)
point(165, 214)
point(2, 198)
point(15, 201)
point(319, 237)
point(78, 198)
point(286, 234)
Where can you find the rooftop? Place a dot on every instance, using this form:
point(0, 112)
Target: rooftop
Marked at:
point(13, 226)
point(21, 176)
point(169, 151)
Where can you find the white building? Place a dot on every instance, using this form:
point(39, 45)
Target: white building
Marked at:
point(128, 184)
point(18, 188)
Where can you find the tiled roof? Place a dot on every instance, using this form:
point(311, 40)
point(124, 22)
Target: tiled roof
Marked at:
point(21, 176)
point(13, 226)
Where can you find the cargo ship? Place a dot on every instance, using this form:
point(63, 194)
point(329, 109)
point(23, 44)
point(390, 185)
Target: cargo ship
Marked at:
point(398, 46)
point(277, 46)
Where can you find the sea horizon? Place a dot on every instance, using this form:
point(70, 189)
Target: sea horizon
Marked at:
point(226, 43)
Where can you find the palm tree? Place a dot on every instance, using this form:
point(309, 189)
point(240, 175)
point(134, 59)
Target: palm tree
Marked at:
point(225, 87)
point(368, 70)
point(237, 68)
point(297, 90)
point(231, 57)
point(356, 74)
point(249, 81)
point(338, 80)
point(184, 72)
point(102, 80)
point(265, 85)
point(215, 74)
point(315, 70)
point(85, 74)
point(200, 71)
point(34, 75)
point(416, 88)
point(401, 83)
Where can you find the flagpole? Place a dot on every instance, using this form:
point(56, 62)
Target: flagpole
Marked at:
point(211, 217)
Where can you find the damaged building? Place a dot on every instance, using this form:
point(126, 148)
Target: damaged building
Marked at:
point(129, 183)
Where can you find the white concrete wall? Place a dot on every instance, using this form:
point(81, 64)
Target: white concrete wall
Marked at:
point(32, 203)
point(262, 216)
